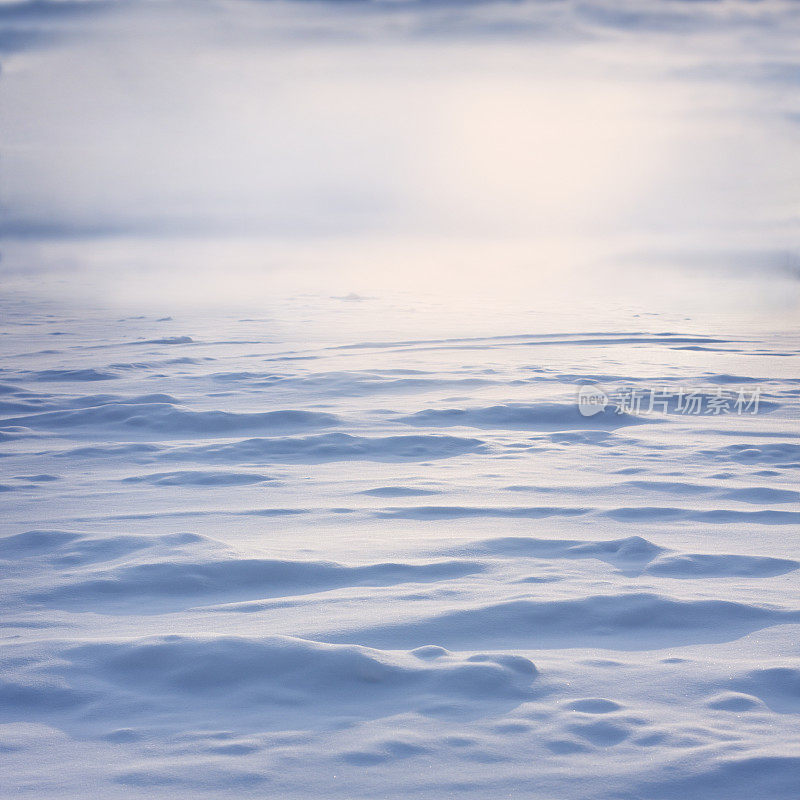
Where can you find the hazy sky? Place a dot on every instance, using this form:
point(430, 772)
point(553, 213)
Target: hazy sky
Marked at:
point(535, 134)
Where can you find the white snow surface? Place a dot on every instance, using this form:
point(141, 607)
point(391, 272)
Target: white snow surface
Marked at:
point(330, 552)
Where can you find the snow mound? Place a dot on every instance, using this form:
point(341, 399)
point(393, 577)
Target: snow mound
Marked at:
point(330, 447)
point(72, 375)
point(199, 478)
point(464, 512)
point(164, 418)
point(631, 548)
point(701, 565)
point(206, 578)
point(267, 677)
point(521, 416)
point(621, 621)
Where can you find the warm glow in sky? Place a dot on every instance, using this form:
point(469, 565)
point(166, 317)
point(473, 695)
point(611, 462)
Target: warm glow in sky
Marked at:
point(401, 143)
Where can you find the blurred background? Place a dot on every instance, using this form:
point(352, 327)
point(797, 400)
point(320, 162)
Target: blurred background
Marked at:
point(229, 151)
